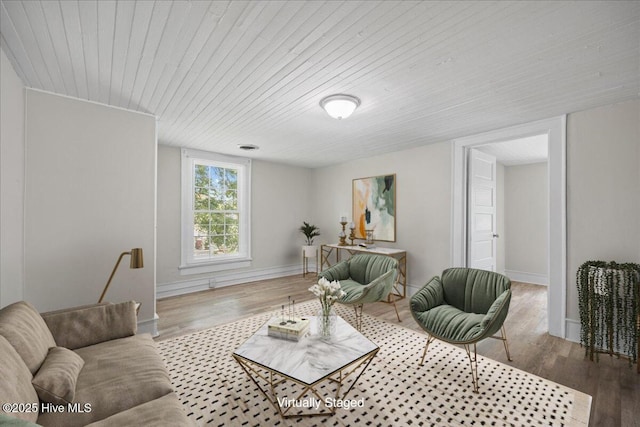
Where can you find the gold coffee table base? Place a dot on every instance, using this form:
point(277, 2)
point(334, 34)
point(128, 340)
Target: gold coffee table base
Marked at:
point(272, 379)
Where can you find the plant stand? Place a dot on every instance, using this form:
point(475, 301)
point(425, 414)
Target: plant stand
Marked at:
point(309, 252)
point(609, 301)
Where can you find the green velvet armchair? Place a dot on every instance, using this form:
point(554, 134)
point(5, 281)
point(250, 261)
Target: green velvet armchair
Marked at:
point(365, 278)
point(463, 307)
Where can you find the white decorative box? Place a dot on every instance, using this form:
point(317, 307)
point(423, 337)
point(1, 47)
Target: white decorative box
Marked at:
point(279, 327)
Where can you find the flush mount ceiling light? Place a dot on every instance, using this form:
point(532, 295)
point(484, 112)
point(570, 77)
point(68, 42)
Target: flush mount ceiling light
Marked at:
point(248, 147)
point(339, 106)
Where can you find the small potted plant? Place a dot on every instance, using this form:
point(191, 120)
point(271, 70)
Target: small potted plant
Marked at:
point(310, 231)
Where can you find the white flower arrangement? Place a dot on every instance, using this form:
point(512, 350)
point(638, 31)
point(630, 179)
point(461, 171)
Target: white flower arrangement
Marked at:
point(328, 292)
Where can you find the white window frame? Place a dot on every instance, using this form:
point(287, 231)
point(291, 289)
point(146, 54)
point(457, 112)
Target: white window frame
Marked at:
point(188, 264)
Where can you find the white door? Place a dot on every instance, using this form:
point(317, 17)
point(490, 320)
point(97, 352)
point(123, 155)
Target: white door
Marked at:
point(481, 227)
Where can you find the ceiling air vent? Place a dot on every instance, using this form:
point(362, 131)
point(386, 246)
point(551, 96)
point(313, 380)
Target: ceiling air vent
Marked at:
point(248, 147)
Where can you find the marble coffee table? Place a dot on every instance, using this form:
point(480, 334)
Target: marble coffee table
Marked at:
point(294, 375)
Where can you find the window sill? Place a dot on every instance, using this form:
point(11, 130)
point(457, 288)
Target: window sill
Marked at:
point(213, 266)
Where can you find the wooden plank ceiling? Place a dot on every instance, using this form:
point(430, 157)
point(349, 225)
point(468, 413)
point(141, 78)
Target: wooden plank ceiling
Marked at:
point(218, 74)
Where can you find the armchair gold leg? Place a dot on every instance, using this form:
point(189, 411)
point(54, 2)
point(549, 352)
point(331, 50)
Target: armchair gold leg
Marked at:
point(504, 341)
point(358, 309)
point(396, 309)
point(473, 364)
point(426, 347)
point(503, 338)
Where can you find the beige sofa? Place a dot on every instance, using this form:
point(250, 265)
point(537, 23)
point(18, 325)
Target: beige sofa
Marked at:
point(83, 366)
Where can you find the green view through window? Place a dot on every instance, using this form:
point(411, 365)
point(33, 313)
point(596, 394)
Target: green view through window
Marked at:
point(215, 211)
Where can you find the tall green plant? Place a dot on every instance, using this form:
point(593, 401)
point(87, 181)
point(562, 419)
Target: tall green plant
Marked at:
point(609, 303)
point(310, 231)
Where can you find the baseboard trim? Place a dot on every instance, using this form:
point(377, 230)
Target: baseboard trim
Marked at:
point(572, 329)
point(164, 290)
point(149, 326)
point(520, 276)
point(219, 280)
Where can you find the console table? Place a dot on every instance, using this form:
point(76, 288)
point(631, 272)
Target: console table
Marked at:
point(399, 287)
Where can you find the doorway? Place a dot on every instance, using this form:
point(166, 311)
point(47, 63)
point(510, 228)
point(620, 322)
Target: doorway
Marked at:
point(555, 130)
point(513, 198)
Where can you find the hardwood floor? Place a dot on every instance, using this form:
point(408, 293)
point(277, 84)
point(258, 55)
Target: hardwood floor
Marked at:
point(615, 386)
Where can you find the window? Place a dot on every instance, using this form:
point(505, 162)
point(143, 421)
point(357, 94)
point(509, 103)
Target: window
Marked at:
point(215, 212)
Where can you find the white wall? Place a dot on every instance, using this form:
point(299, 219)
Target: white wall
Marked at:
point(281, 200)
point(11, 184)
point(423, 198)
point(89, 195)
point(603, 194)
point(526, 222)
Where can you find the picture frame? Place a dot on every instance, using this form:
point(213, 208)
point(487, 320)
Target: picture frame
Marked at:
point(374, 207)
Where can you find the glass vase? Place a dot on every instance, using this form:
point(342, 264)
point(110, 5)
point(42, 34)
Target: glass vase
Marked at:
point(326, 322)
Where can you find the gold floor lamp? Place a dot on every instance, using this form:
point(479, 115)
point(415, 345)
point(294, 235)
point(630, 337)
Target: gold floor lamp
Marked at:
point(137, 261)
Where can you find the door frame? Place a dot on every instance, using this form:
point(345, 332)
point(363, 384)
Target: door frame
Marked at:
point(555, 129)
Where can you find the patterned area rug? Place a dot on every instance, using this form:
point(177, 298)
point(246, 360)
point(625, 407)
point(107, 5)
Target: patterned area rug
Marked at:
point(395, 389)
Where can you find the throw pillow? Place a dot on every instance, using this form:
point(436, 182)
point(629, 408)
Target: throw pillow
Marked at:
point(56, 380)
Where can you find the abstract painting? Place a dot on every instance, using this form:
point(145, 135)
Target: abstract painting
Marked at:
point(374, 207)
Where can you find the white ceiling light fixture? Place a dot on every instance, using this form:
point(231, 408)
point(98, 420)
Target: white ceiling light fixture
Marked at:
point(340, 106)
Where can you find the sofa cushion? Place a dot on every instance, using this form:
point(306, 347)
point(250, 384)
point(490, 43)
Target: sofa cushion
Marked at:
point(117, 375)
point(15, 383)
point(166, 411)
point(55, 382)
point(23, 327)
point(93, 324)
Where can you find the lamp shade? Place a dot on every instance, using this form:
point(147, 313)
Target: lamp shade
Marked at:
point(136, 262)
point(340, 106)
point(137, 259)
